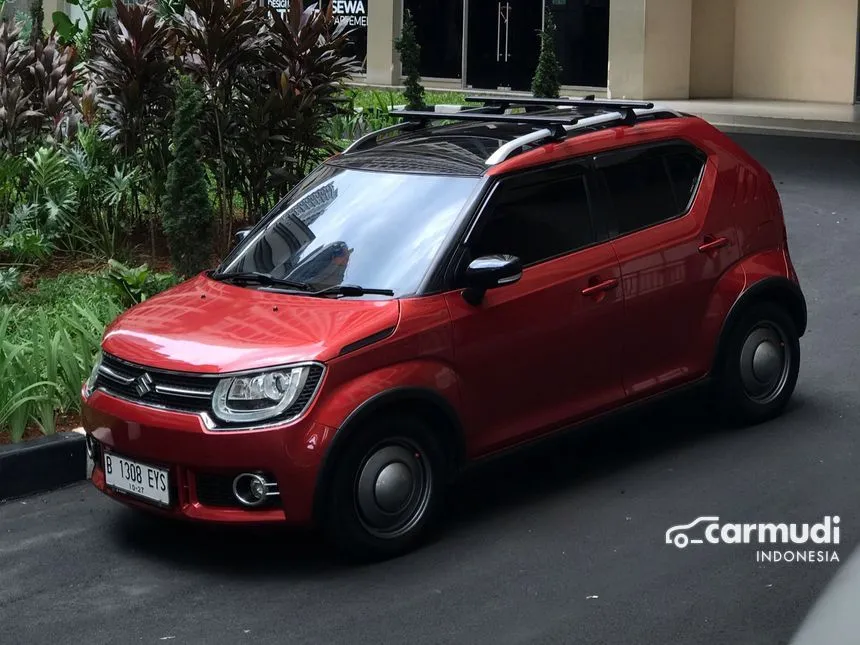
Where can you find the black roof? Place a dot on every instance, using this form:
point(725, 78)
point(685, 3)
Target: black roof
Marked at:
point(457, 149)
point(463, 147)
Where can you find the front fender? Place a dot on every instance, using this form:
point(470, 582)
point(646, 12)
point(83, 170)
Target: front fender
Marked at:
point(432, 376)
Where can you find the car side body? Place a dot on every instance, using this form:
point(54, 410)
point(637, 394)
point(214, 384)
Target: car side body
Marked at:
point(649, 291)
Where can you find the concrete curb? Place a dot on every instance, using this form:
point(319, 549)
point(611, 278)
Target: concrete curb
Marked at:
point(42, 464)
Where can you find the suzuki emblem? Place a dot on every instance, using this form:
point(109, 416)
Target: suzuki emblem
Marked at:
point(143, 384)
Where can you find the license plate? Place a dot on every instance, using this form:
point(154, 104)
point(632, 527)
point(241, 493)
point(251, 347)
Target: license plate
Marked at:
point(136, 478)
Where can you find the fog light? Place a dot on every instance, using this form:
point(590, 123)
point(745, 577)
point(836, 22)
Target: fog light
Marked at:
point(252, 489)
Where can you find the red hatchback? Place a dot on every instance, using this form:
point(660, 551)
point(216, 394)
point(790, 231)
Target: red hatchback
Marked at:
point(441, 292)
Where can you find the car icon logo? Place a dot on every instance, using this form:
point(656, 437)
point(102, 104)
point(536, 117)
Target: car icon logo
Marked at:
point(143, 384)
point(677, 535)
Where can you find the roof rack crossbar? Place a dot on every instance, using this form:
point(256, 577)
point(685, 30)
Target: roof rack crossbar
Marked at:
point(511, 147)
point(589, 102)
point(528, 119)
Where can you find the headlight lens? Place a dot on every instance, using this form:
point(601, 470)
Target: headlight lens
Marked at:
point(257, 397)
point(94, 374)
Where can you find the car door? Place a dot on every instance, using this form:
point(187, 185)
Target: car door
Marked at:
point(672, 242)
point(544, 351)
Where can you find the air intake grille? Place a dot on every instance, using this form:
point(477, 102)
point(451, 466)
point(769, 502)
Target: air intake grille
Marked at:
point(181, 391)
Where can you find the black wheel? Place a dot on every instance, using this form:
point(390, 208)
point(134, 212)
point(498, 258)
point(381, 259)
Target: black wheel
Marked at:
point(759, 366)
point(387, 488)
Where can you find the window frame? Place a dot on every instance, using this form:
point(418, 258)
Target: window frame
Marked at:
point(605, 201)
point(541, 174)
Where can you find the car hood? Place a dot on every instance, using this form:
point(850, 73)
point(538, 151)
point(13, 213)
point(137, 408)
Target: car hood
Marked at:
point(208, 326)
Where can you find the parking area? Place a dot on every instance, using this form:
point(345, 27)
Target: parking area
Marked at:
point(563, 544)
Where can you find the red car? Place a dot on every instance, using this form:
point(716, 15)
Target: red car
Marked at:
point(438, 293)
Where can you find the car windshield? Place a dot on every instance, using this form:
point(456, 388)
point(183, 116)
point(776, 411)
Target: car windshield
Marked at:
point(353, 227)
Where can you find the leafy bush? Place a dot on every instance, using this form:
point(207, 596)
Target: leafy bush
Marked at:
point(187, 212)
point(133, 285)
point(546, 82)
point(48, 340)
point(410, 57)
point(10, 282)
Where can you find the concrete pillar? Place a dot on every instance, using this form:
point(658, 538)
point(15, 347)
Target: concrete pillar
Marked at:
point(384, 18)
point(649, 49)
point(712, 55)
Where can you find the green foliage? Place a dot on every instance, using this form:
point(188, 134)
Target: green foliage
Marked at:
point(410, 55)
point(48, 339)
point(133, 285)
point(546, 82)
point(72, 33)
point(188, 216)
point(10, 282)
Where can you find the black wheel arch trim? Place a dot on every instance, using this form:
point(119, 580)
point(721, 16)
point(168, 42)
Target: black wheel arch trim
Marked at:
point(372, 405)
point(759, 292)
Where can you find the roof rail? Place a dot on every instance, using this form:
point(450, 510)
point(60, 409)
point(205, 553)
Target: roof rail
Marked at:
point(511, 147)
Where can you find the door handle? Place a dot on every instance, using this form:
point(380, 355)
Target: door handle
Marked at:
point(507, 28)
point(712, 244)
point(600, 287)
point(499, 33)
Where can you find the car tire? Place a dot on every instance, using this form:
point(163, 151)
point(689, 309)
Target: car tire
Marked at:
point(387, 489)
point(759, 366)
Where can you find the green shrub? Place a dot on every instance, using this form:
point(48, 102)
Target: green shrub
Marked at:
point(10, 282)
point(410, 56)
point(547, 79)
point(132, 285)
point(188, 215)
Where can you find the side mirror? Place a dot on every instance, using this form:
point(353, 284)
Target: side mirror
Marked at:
point(490, 272)
point(240, 235)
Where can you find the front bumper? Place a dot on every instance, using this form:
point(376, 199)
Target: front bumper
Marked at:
point(291, 454)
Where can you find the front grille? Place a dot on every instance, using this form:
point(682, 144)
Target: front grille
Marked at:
point(181, 391)
point(217, 490)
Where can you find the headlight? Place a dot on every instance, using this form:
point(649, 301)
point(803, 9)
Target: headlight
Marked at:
point(94, 374)
point(256, 397)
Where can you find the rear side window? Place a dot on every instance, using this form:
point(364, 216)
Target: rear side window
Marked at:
point(648, 186)
point(536, 220)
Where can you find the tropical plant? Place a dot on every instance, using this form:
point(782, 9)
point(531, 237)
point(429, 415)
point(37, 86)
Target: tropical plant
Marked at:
point(16, 113)
point(49, 81)
point(71, 33)
point(307, 55)
point(133, 285)
point(10, 281)
point(188, 214)
point(546, 82)
point(51, 191)
point(220, 37)
point(410, 58)
point(132, 70)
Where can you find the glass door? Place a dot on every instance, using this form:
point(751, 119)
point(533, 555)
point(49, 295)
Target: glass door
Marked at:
point(503, 43)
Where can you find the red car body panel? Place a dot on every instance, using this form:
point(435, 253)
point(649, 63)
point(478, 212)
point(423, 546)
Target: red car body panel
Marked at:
point(533, 357)
point(539, 353)
point(214, 327)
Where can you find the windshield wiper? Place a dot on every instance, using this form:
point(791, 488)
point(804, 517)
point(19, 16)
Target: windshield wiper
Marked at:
point(250, 277)
point(351, 291)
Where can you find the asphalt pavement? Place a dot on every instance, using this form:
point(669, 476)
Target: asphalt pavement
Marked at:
point(563, 544)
